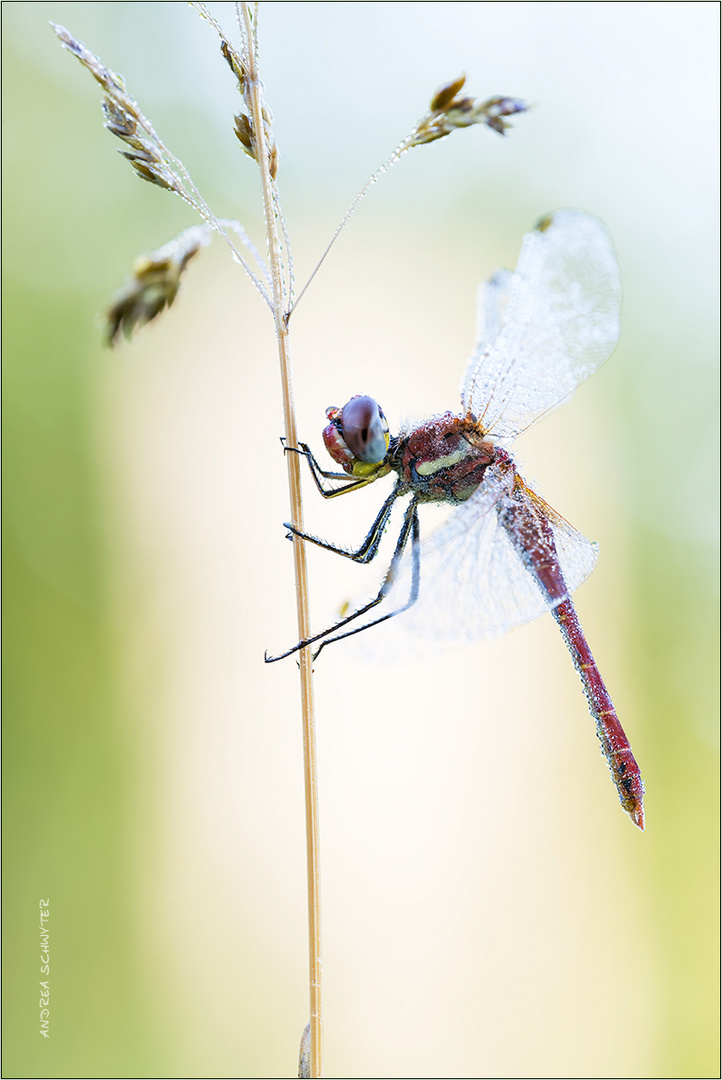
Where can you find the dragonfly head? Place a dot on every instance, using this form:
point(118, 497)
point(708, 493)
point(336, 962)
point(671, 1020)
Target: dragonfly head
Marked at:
point(357, 437)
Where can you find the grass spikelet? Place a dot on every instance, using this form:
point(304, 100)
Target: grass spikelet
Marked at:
point(154, 284)
point(449, 111)
point(244, 122)
point(123, 118)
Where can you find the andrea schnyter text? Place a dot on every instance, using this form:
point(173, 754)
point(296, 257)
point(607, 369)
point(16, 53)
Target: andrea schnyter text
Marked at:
point(45, 969)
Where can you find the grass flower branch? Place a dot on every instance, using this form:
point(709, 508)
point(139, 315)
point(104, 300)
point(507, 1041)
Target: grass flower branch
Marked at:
point(156, 277)
point(149, 158)
point(447, 112)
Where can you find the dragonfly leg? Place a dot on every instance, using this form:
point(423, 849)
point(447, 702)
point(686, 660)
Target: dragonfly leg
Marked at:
point(388, 581)
point(409, 528)
point(370, 545)
point(317, 472)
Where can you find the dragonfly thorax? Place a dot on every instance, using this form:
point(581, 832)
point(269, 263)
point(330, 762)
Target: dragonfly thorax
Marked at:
point(444, 459)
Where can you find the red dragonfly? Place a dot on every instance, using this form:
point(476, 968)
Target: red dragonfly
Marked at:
point(503, 556)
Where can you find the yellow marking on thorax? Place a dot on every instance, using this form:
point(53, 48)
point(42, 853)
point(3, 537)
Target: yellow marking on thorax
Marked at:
point(428, 468)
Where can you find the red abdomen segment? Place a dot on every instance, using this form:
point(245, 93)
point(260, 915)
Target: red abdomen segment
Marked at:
point(525, 518)
point(615, 745)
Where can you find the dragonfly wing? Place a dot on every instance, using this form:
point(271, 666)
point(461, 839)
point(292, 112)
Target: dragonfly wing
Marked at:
point(473, 584)
point(545, 328)
point(491, 304)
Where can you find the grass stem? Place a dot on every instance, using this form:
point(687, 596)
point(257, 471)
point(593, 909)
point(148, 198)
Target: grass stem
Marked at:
point(301, 575)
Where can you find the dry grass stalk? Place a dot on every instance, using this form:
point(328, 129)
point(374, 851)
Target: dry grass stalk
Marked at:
point(267, 161)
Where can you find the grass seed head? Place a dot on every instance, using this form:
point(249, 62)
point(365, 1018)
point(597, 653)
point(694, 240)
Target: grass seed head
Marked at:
point(448, 111)
point(153, 285)
point(124, 119)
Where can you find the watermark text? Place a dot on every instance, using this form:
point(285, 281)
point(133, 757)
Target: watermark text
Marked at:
point(44, 1000)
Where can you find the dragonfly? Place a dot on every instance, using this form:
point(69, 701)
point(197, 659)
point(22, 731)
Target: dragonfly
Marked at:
point(503, 556)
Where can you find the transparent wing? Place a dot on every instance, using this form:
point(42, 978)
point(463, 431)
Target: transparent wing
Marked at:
point(473, 584)
point(492, 301)
point(545, 328)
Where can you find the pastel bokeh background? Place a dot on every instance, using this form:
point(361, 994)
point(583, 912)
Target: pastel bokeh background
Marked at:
point(488, 908)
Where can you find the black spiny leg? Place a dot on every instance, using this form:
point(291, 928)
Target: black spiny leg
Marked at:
point(317, 472)
point(388, 581)
point(370, 545)
point(410, 527)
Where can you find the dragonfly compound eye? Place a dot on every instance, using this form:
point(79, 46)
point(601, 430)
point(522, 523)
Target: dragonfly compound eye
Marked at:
point(365, 431)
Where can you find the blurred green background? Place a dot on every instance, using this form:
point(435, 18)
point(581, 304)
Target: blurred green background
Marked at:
point(489, 910)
